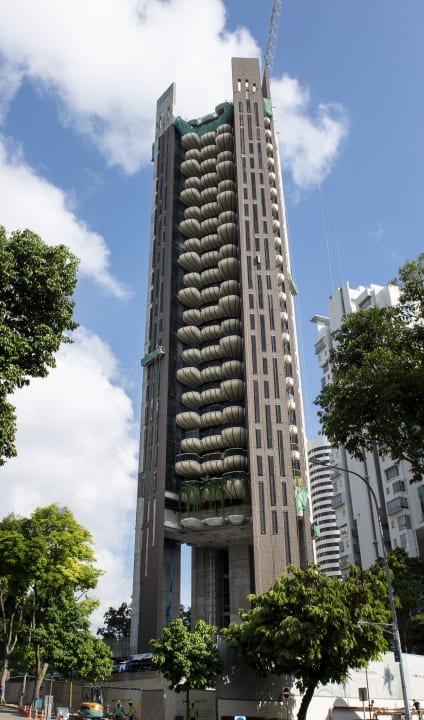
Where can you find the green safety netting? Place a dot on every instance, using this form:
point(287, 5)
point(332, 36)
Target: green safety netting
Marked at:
point(224, 114)
point(267, 107)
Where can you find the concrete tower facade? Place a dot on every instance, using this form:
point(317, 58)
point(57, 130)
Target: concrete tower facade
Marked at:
point(222, 452)
point(326, 531)
point(401, 504)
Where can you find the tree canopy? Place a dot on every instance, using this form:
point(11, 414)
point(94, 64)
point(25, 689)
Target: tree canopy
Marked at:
point(408, 587)
point(377, 389)
point(36, 283)
point(46, 570)
point(188, 659)
point(117, 623)
point(306, 625)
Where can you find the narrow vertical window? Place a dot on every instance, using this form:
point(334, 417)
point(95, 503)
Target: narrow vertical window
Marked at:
point(262, 522)
point(268, 424)
point(281, 451)
point(254, 355)
point(256, 401)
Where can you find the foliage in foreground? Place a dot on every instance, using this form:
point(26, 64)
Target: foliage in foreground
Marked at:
point(306, 625)
point(46, 569)
point(36, 283)
point(377, 389)
point(188, 659)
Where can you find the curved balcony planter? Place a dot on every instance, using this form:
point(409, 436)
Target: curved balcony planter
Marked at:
point(191, 523)
point(214, 521)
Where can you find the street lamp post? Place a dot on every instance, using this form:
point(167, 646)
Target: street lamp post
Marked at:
point(394, 623)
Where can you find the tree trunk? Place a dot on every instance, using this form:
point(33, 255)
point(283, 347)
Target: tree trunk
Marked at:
point(187, 704)
point(4, 674)
point(301, 715)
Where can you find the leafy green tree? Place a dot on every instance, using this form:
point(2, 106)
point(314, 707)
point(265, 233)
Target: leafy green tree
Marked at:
point(46, 564)
point(377, 391)
point(117, 623)
point(408, 587)
point(188, 659)
point(36, 283)
point(306, 625)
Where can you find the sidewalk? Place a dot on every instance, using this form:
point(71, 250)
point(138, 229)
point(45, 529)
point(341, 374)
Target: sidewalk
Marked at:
point(9, 712)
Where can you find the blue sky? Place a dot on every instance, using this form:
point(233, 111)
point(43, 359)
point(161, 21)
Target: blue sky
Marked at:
point(78, 89)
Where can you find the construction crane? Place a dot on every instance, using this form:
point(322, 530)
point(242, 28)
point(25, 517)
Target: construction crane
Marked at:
point(271, 43)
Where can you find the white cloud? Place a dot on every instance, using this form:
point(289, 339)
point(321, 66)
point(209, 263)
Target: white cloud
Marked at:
point(77, 446)
point(108, 61)
point(309, 144)
point(30, 201)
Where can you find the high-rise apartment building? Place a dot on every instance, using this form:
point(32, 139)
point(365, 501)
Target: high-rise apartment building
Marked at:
point(326, 531)
point(222, 453)
point(401, 504)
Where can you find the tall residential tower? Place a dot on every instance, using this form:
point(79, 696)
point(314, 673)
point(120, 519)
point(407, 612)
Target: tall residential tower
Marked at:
point(222, 455)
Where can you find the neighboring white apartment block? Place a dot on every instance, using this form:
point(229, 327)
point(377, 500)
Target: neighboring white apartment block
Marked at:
point(326, 531)
point(401, 503)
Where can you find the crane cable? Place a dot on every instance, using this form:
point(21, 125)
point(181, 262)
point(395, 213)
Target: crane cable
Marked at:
point(271, 43)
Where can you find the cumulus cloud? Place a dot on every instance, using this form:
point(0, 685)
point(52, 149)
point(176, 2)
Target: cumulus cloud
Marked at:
point(309, 144)
point(77, 446)
point(108, 61)
point(30, 201)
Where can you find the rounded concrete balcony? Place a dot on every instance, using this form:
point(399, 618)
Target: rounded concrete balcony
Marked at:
point(210, 242)
point(273, 194)
point(270, 163)
point(291, 404)
point(225, 155)
point(210, 294)
point(224, 141)
point(208, 138)
point(211, 276)
point(280, 278)
point(228, 232)
point(229, 268)
point(191, 399)
point(228, 251)
point(235, 463)
point(210, 353)
point(277, 242)
point(289, 382)
point(209, 333)
point(232, 389)
point(192, 244)
point(192, 182)
point(231, 346)
point(209, 259)
point(208, 151)
point(191, 445)
point(190, 228)
point(278, 260)
point(211, 396)
point(229, 287)
point(226, 200)
point(192, 154)
point(190, 167)
point(190, 140)
point(208, 210)
point(188, 420)
point(188, 468)
point(232, 369)
point(233, 414)
point(190, 196)
point(271, 177)
point(211, 374)
point(212, 467)
point(226, 185)
point(211, 443)
point(210, 419)
point(276, 226)
point(189, 335)
point(191, 356)
point(285, 337)
point(192, 317)
point(225, 170)
point(189, 261)
point(210, 179)
point(209, 226)
point(293, 429)
point(210, 313)
point(190, 297)
point(208, 166)
point(234, 437)
point(192, 212)
point(230, 306)
point(192, 279)
point(208, 194)
point(189, 376)
point(231, 326)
